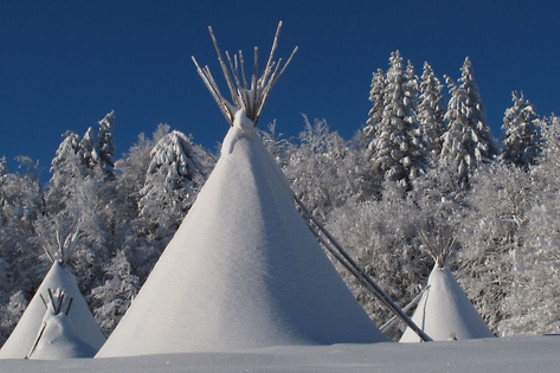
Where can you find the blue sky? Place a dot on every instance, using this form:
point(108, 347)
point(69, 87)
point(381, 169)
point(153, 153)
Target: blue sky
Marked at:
point(65, 64)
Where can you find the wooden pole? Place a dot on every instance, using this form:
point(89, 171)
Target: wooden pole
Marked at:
point(364, 277)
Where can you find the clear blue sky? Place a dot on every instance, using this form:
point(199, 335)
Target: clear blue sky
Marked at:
point(65, 64)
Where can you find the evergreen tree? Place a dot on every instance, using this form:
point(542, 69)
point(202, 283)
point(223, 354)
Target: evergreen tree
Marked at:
point(396, 150)
point(87, 150)
point(467, 143)
point(66, 169)
point(105, 141)
point(521, 133)
point(83, 188)
point(132, 171)
point(376, 97)
point(139, 248)
point(176, 172)
point(3, 166)
point(431, 112)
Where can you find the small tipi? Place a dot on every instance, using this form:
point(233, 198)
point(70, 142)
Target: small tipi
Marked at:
point(243, 271)
point(24, 336)
point(57, 337)
point(445, 312)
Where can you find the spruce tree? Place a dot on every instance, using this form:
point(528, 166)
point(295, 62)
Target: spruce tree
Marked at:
point(467, 143)
point(431, 112)
point(83, 188)
point(376, 97)
point(105, 146)
point(67, 169)
point(396, 149)
point(521, 133)
point(176, 172)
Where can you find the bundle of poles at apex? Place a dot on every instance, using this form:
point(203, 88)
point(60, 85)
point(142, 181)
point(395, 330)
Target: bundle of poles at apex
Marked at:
point(251, 97)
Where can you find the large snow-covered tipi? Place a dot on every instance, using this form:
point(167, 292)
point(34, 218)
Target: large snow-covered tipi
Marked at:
point(444, 311)
point(24, 335)
point(243, 270)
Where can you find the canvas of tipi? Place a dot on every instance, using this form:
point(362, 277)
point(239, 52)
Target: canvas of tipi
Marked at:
point(84, 330)
point(444, 311)
point(243, 271)
point(57, 338)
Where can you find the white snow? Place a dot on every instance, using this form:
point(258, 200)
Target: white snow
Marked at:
point(59, 340)
point(444, 310)
point(242, 272)
point(21, 340)
point(495, 355)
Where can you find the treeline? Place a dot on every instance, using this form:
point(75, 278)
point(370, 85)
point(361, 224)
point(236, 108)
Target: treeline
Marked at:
point(421, 169)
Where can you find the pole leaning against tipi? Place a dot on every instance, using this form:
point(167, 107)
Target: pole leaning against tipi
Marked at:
point(360, 273)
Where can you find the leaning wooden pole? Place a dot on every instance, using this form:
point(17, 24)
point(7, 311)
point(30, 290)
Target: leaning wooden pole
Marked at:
point(406, 308)
point(348, 266)
point(363, 276)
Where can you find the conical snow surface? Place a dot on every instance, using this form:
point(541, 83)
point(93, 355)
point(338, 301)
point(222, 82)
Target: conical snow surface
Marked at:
point(444, 311)
point(22, 338)
point(58, 340)
point(243, 271)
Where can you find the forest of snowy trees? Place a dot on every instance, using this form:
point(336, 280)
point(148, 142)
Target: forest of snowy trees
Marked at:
point(425, 166)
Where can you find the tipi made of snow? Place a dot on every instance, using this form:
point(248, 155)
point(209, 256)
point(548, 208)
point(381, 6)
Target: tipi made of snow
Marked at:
point(21, 341)
point(243, 271)
point(444, 311)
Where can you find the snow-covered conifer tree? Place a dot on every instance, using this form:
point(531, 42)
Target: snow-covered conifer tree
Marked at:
point(177, 171)
point(97, 150)
point(376, 97)
point(3, 166)
point(83, 188)
point(431, 112)
point(88, 149)
point(467, 142)
point(78, 158)
point(412, 86)
point(105, 144)
point(396, 149)
point(132, 170)
point(521, 133)
point(65, 168)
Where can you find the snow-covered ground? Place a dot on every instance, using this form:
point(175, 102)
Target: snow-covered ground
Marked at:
point(496, 355)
